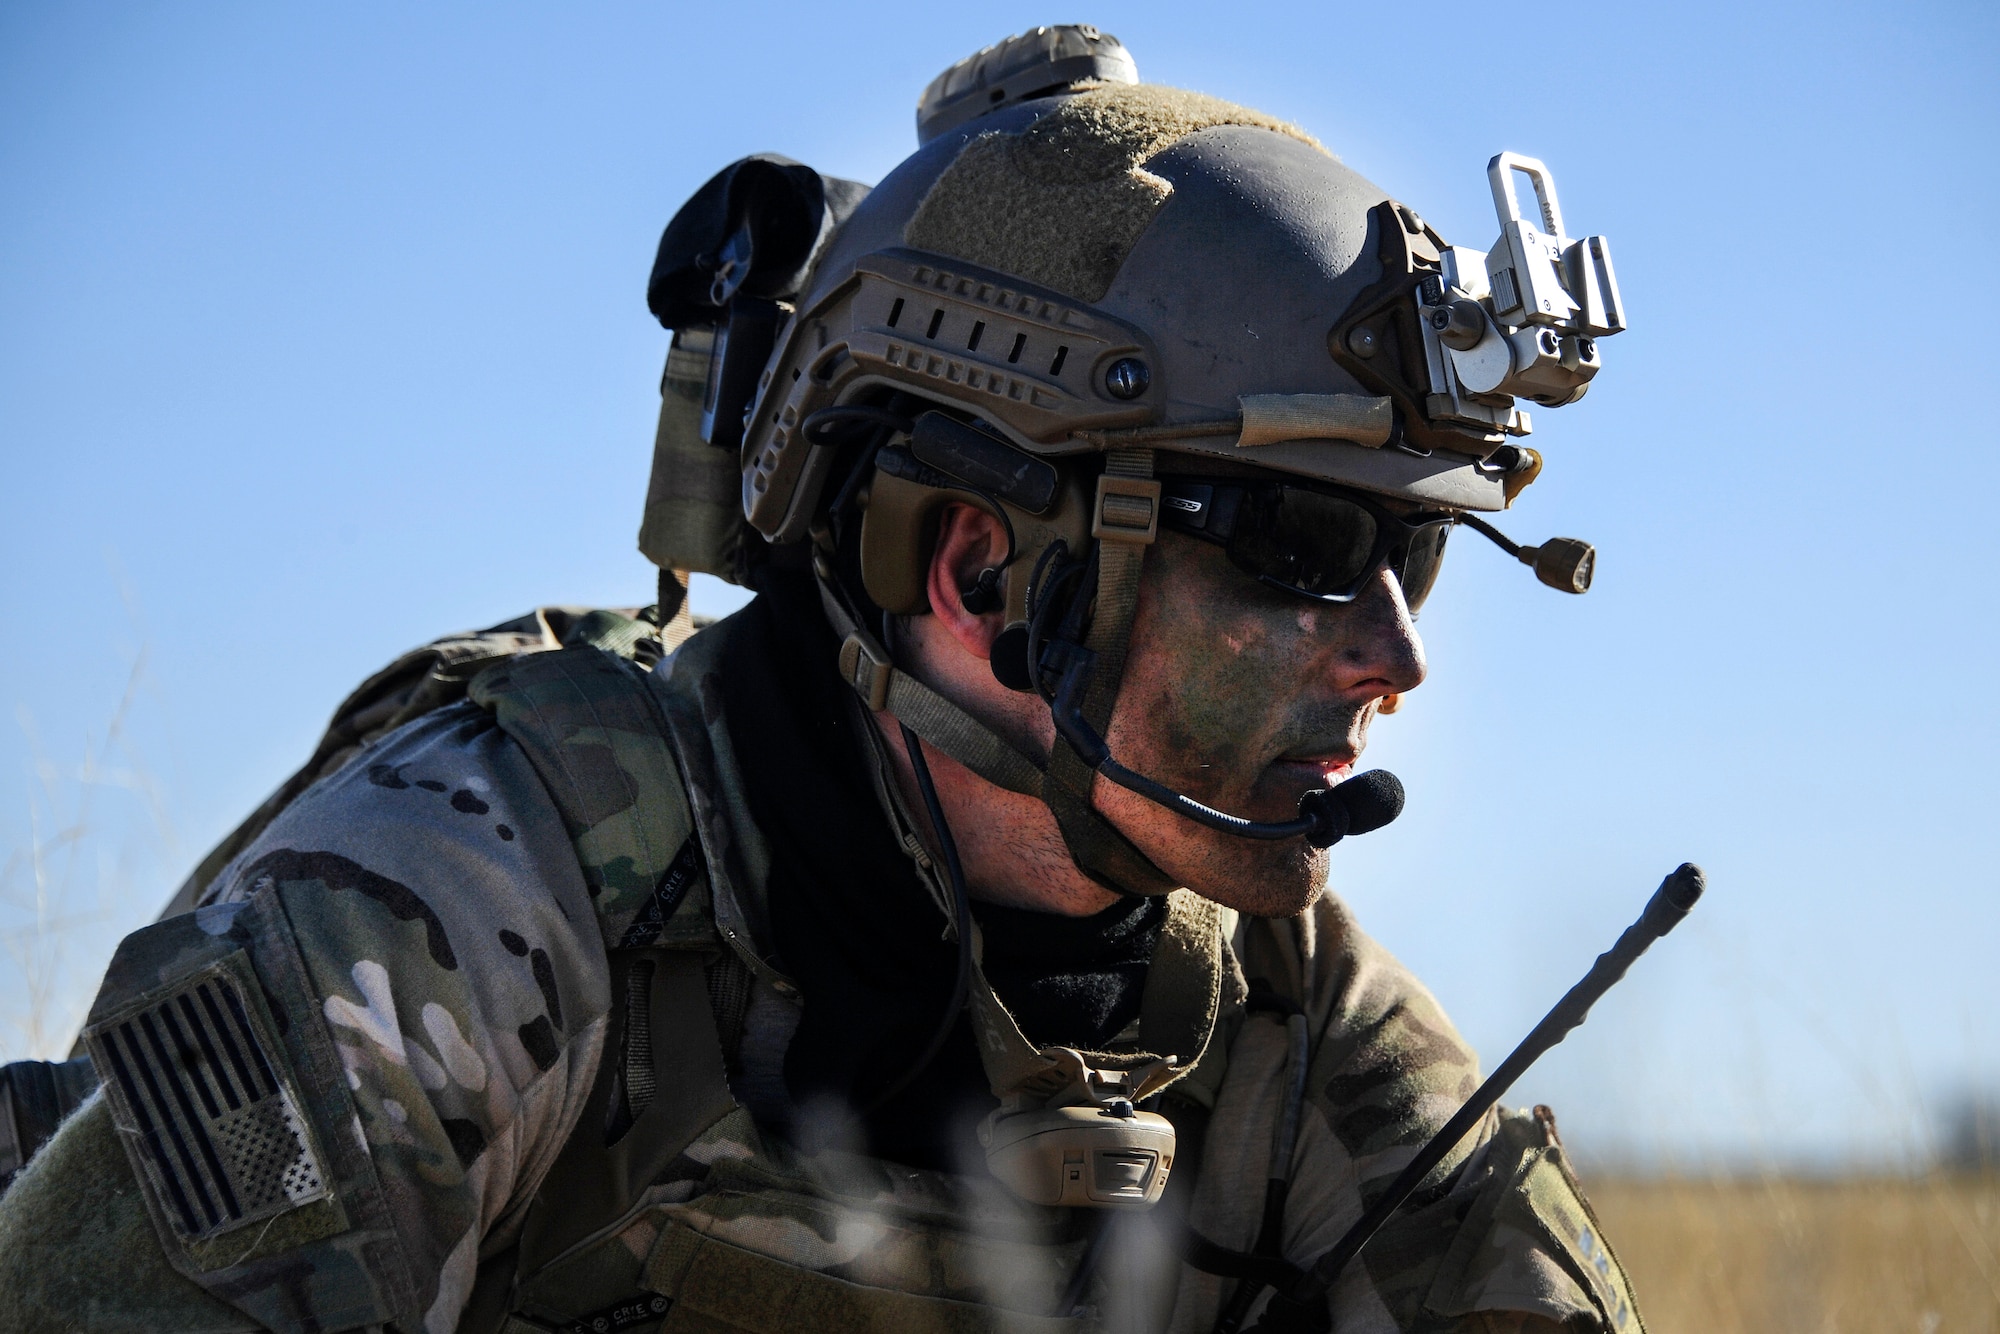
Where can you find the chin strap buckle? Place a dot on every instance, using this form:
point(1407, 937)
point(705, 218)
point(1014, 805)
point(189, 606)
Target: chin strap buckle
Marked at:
point(1127, 509)
point(867, 670)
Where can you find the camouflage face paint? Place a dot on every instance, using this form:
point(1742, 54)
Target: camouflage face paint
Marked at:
point(1245, 698)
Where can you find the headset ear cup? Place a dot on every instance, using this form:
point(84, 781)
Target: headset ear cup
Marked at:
point(898, 528)
point(1009, 658)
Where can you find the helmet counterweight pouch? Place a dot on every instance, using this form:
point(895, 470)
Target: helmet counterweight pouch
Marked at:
point(728, 265)
point(694, 517)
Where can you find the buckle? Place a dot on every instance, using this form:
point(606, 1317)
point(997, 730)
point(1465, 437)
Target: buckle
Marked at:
point(866, 671)
point(1127, 509)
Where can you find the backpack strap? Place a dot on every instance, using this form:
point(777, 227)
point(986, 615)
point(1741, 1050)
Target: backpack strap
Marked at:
point(596, 734)
point(622, 1144)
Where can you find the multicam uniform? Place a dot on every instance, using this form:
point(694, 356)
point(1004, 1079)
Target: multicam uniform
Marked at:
point(482, 1032)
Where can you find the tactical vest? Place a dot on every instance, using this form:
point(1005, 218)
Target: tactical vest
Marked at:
point(668, 1208)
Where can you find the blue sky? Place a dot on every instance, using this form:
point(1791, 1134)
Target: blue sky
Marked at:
point(322, 333)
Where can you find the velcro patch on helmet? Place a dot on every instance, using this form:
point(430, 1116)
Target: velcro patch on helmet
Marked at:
point(1063, 202)
point(200, 1088)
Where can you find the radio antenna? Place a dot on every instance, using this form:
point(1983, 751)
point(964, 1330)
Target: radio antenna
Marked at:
point(1303, 1306)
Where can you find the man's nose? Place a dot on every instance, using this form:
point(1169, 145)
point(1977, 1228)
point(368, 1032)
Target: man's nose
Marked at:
point(1379, 650)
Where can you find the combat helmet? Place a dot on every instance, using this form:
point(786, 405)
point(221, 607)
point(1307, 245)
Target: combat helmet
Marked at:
point(1080, 294)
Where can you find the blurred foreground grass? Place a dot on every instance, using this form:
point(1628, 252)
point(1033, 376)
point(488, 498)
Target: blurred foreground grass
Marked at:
point(1782, 1255)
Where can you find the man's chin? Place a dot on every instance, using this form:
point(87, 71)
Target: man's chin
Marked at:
point(1277, 879)
point(1265, 899)
point(1264, 878)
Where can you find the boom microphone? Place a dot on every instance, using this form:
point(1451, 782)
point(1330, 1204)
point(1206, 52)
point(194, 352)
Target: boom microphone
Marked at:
point(1326, 815)
point(1361, 805)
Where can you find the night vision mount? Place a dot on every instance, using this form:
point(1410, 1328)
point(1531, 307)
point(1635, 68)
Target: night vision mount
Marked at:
point(1455, 335)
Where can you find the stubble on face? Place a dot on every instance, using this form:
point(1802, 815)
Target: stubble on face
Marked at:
point(1244, 698)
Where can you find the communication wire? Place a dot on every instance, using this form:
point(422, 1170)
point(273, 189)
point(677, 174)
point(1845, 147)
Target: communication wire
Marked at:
point(961, 908)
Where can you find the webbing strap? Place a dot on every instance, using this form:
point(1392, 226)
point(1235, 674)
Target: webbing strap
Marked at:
point(1125, 522)
point(865, 666)
point(678, 627)
point(592, 1181)
point(944, 725)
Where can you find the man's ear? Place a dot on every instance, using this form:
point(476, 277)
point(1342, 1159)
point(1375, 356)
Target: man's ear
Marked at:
point(969, 542)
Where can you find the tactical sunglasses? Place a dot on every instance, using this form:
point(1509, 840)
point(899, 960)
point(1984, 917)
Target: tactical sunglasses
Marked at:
point(1317, 541)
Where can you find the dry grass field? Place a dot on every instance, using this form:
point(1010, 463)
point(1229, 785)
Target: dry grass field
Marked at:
point(1791, 1256)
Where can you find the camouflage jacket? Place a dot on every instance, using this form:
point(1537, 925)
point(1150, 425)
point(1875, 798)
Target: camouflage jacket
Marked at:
point(472, 1035)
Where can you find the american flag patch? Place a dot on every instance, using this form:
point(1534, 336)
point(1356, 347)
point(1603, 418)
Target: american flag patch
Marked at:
point(190, 1074)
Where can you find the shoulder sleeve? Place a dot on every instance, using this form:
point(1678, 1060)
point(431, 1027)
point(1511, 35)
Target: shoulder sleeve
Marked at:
point(1502, 1235)
point(1529, 1242)
point(348, 1072)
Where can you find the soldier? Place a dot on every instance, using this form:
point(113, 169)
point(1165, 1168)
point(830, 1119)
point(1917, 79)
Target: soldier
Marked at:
point(940, 942)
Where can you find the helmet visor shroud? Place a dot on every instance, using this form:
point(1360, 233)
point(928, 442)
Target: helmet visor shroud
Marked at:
point(1043, 299)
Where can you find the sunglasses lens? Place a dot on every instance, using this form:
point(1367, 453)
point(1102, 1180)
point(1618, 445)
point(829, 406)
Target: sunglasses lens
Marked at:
point(1318, 544)
point(1417, 571)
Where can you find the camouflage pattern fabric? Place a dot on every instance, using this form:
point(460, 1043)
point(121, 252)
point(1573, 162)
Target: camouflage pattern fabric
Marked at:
point(1530, 1240)
point(744, 1234)
point(420, 945)
point(423, 936)
point(1388, 1069)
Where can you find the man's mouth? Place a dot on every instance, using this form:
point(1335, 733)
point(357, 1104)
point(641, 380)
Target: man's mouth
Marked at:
point(1322, 770)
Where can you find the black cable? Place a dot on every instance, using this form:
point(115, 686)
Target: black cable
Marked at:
point(1071, 1305)
point(1487, 530)
point(1081, 602)
point(1041, 601)
point(1055, 550)
point(1302, 1305)
point(863, 466)
point(1000, 513)
point(888, 423)
point(961, 905)
point(815, 423)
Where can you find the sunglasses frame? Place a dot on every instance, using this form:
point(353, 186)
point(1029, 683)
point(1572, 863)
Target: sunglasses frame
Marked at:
point(1214, 516)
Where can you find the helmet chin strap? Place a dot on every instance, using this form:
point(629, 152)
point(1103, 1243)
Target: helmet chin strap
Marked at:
point(1081, 681)
point(1124, 522)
